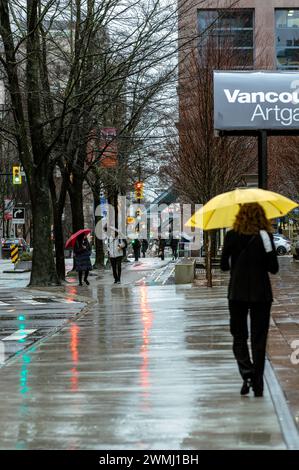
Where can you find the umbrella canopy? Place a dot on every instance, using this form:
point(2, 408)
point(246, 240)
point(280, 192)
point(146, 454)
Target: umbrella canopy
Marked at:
point(70, 243)
point(221, 211)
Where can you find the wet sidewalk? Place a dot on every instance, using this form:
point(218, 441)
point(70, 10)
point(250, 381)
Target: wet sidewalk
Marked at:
point(148, 367)
point(283, 344)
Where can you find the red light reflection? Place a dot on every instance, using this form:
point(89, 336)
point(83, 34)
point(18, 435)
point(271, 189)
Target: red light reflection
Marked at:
point(72, 292)
point(147, 322)
point(74, 343)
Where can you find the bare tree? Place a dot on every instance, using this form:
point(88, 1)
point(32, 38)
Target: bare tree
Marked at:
point(284, 165)
point(61, 60)
point(202, 165)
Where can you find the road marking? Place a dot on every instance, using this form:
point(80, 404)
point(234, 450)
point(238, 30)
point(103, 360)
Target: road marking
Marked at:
point(17, 335)
point(33, 302)
point(3, 303)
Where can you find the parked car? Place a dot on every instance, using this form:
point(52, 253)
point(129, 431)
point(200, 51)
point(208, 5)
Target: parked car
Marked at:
point(19, 242)
point(282, 244)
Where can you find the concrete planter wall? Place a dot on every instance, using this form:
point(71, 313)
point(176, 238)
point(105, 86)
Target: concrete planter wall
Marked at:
point(24, 265)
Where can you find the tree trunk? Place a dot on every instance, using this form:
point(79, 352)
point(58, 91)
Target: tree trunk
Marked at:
point(214, 243)
point(99, 245)
point(59, 245)
point(208, 259)
point(58, 206)
point(76, 198)
point(43, 267)
point(100, 258)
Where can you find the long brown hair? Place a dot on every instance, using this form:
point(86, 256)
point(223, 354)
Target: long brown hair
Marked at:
point(251, 219)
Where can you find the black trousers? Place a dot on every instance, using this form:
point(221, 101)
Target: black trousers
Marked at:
point(80, 273)
point(116, 267)
point(259, 326)
point(136, 253)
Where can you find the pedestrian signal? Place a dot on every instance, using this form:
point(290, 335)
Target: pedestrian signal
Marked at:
point(16, 175)
point(139, 190)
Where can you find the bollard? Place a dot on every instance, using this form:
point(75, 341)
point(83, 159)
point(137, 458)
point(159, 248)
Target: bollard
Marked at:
point(14, 254)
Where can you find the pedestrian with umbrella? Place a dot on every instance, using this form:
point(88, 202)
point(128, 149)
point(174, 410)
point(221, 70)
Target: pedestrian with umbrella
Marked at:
point(249, 254)
point(82, 251)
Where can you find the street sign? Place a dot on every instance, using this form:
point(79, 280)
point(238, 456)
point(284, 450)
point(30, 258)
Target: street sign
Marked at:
point(18, 215)
point(256, 100)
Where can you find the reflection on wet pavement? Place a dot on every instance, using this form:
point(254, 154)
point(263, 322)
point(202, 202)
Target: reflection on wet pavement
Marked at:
point(74, 330)
point(26, 317)
point(146, 368)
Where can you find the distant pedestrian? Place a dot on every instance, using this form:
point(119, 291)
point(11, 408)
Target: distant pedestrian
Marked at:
point(249, 253)
point(82, 252)
point(136, 248)
point(174, 242)
point(144, 247)
point(116, 247)
point(161, 247)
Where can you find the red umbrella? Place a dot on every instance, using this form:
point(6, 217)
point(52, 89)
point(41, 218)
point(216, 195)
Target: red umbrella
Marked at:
point(70, 243)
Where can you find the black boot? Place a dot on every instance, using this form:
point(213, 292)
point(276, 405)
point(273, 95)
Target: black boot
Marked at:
point(258, 387)
point(245, 389)
point(85, 278)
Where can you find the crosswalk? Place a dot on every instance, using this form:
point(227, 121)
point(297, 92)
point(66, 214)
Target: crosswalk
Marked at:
point(26, 318)
point(17, 335)
point(159, 276)
point(12, 300)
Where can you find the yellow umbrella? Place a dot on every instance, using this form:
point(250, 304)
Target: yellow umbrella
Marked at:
point(221, 211)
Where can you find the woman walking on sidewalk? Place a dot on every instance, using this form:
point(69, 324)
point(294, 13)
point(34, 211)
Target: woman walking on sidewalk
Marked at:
point(116, 248)
point(249, 253)
point(82, 252)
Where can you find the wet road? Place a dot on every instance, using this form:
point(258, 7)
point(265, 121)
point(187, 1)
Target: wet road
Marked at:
point(149, 367)
point(27, 316)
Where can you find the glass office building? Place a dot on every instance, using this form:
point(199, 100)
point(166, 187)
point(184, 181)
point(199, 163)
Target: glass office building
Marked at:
point(287, 38)
point(232, 29)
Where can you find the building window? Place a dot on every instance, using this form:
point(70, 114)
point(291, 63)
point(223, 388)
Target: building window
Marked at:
point(287, 39)
point(233, 28)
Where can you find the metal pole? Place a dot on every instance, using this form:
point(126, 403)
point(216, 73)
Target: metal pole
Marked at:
point(262, 160)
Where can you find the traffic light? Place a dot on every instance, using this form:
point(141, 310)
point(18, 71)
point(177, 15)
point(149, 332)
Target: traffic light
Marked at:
point(16, 175)
point(139, 190)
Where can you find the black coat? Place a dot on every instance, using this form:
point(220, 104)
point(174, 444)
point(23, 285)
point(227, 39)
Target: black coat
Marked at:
point(82, 251)
point(249, 265)
point(144, 245)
